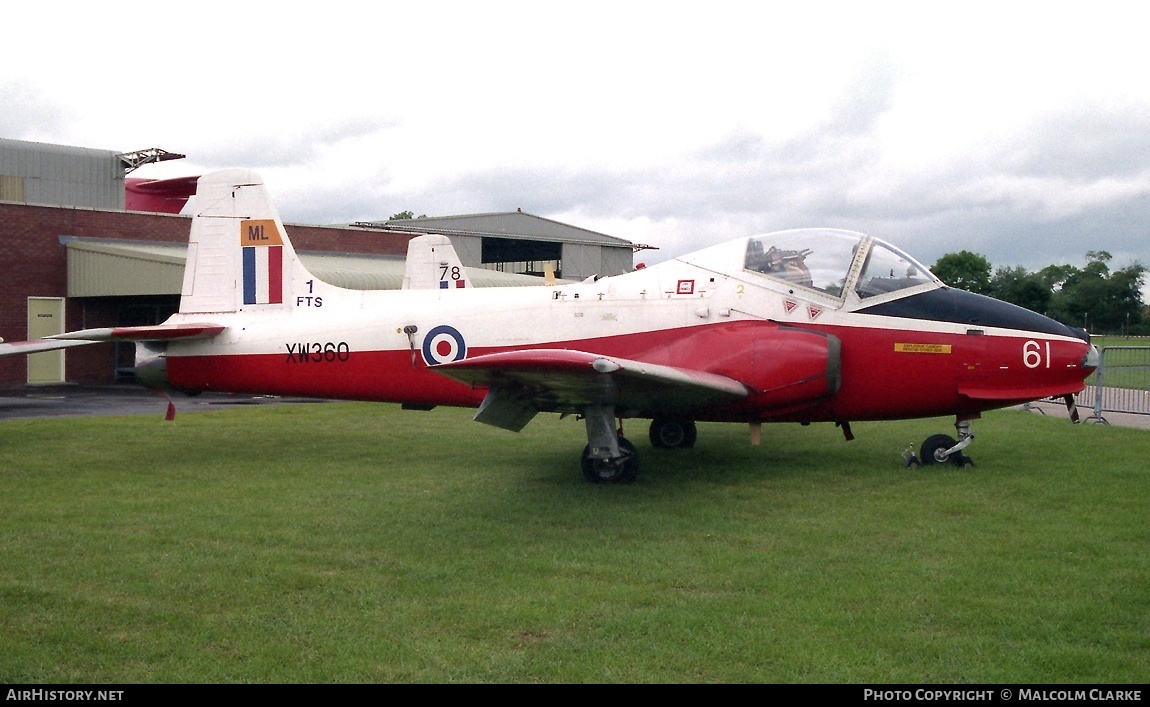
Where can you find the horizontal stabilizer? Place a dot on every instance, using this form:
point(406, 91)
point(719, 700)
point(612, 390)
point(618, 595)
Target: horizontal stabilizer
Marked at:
point(37, 345)
point(158, 332)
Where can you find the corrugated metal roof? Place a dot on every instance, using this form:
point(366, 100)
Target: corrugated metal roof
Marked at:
point(107, 268)
point(104, 267)
point(59, 175)
point(510, 224)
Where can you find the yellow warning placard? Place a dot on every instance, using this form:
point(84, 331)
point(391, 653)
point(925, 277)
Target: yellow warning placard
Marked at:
point(923, 348)
point(259, 232)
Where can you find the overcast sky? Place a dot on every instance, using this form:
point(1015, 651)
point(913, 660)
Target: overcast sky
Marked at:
point(1020, 131)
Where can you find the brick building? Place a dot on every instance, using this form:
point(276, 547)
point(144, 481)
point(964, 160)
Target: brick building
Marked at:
point(34, 263)
point(72, 257)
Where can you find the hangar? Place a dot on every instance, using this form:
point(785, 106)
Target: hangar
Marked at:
point(84, 245)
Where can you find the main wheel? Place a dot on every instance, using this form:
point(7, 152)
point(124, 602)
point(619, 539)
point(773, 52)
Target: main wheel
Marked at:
point(672, 433)
point(623, 470)
point(934, 446)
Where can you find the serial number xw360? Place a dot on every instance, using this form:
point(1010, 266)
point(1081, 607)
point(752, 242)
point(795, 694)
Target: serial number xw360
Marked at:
point(318, 352)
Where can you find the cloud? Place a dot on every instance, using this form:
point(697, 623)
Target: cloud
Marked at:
point(1090, 142)
point(1023, 139)
point(301, 145)
point(1031, 196)
point(28, 114)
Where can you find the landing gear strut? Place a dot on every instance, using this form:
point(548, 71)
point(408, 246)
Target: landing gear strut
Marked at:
point(619, 470)
point(943, 449)
point(608, 457)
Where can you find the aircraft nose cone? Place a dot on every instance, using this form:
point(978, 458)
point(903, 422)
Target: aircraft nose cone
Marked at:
point(1092, 359)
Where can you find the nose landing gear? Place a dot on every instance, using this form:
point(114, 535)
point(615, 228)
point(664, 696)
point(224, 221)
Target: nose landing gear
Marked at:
point(944, 449)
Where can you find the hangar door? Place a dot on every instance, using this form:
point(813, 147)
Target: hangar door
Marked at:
point(45, 317)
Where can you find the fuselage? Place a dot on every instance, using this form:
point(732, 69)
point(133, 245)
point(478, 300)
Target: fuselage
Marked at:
point(904, 345)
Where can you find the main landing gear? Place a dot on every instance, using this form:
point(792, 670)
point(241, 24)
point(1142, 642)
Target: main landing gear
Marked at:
point(672, 433)
point(623, 469)
point(609, 458)
point(943, 449)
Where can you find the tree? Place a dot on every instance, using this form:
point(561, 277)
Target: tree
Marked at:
point(1092, 297)
point(402, 216)
point(1100, 300)
point(1096, 261)
point(964, 270)
point(1054, 275)
point(1017, 286)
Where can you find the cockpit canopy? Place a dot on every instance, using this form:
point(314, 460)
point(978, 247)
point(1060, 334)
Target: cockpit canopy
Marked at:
point(829, 262)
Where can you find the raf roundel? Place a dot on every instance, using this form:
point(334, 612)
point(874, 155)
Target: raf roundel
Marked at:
point(443, 344)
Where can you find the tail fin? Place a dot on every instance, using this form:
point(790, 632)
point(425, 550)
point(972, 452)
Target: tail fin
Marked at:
point(432, 263)
point(239, 256)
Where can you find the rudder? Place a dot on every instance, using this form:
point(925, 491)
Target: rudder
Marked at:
point(239, 255)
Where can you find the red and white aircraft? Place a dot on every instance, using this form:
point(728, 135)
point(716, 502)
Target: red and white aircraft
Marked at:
point(798, 326)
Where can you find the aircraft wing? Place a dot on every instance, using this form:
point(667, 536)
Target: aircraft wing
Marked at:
point(158, 332)
point(525, 382)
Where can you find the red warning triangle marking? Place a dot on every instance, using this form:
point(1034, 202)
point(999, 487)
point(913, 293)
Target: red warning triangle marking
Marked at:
point(814, 312)
point(790, 306)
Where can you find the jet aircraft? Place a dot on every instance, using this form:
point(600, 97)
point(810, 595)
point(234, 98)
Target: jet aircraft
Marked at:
point(814, 325)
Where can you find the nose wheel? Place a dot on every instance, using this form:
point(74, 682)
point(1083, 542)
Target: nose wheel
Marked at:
point(937, 449)
point(944, 449)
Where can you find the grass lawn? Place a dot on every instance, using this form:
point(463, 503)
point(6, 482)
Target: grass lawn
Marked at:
point(360, 543)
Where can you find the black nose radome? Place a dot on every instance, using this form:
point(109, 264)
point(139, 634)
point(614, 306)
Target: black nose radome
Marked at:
point(962, 307)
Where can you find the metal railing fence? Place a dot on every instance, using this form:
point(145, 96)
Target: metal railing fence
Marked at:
point(1121, 383)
